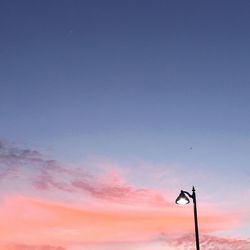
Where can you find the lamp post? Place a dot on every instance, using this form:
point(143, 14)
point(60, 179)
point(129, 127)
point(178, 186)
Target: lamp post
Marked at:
point(182, 199)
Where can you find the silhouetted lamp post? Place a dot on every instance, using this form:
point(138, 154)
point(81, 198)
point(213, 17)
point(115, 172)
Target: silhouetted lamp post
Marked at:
point(182, 199)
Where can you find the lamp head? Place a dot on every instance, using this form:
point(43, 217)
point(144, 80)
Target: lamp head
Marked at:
point(182, 199)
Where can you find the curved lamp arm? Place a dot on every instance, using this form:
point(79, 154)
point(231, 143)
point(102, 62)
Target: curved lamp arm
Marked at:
point(188, 194)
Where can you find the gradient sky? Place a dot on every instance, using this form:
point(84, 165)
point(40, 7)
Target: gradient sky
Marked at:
point(109, 108)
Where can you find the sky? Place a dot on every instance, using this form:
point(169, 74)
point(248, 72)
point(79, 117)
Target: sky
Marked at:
point(108, 109)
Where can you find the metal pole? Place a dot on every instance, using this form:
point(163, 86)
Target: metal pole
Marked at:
point(196, 221)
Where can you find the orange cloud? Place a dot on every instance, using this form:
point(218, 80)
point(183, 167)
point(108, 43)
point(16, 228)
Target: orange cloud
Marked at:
point(36, 221)
point(30, 247)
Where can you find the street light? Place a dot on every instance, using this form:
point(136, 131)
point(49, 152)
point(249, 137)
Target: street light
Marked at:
point(182, 199)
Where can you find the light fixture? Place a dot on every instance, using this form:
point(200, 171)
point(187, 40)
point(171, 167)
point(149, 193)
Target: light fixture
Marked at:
point(182, 199)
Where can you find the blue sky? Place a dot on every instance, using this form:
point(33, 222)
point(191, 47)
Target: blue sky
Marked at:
point(94, 67)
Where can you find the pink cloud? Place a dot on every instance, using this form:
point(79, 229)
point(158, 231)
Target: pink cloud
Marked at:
point(30, 247)
point(210, 242)
point(186, 242)
point(46, 175)
point(37, 222)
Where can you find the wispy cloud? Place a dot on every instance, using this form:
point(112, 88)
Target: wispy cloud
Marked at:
point(30, 247)
point(61, 223)
point(210, 242)
point(48, 174)
point(186, 242)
